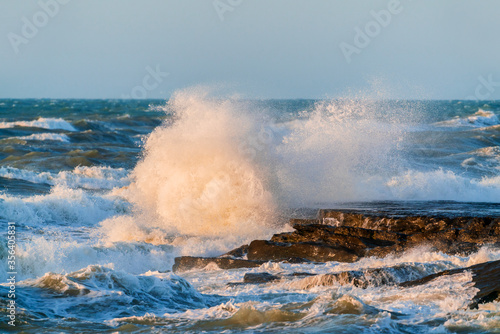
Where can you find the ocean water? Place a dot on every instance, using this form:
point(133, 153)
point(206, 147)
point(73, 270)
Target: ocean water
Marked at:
point(105, 193)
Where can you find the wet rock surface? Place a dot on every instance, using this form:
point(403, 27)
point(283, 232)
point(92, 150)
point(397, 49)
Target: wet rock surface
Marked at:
point(263, 250)
point(257, 278)
point(486, 278)
point(348, 237)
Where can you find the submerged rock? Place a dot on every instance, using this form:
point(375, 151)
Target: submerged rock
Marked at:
point(237, 252)
point(257, 278)
point(465, 229)
point(486, 277)
point(185, 263)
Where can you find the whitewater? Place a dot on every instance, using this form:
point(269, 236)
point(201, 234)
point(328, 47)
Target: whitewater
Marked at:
point(106, 193)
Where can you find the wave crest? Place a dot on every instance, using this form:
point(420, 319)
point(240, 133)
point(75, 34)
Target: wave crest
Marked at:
point(196, 178)
point(43, 123)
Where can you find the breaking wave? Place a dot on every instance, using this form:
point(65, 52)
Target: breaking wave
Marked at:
point(43, 123)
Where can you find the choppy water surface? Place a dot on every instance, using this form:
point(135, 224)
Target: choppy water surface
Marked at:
point(105, 194)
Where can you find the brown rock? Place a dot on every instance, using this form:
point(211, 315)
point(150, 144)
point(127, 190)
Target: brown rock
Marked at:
point(338, 218)
point(345, 237)
point(262, 250)
point(383, 251)
point(297, 221)
point(237, 252)
point(493, 229)
point(450, 234)
point(358, 240)
point(381, 236)
point(257, 278)
point(319, 234)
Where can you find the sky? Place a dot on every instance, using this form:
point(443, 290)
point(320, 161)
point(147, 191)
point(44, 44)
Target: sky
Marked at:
point(420, 49)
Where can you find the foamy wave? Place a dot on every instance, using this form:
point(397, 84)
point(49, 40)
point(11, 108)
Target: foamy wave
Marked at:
point(61, 254)
point(46, 136)
point(481, 118)
point(81, 177)
point(412, 264)
point(112, 291)
point(486, 158)
point(445, 297)
point(43, 123)
point(489, 128)
point(62, 206)
point(489, 152)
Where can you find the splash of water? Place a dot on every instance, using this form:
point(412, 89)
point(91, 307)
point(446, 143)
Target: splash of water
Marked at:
point(196, 177)
point(217, 170)
point(339, 151)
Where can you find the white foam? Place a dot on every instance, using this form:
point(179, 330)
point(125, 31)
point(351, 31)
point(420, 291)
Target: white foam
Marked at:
point(490, 151)
point(62, 205)
point(444, 299)
point(95, 177)
point(480, 119)
point(46, 136)
point(196, 179)
point(62, 254)
point(43, 123)
point(138, 228)
point(442, 184)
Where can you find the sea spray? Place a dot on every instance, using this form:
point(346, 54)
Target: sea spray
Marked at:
point(197, 177)
point(218, 172)
point(338, 150)
point(125, 284)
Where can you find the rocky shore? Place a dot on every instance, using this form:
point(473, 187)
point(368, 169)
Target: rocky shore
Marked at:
point(347, 237)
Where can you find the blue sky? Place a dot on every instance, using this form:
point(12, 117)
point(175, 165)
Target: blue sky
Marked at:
point(256, 48)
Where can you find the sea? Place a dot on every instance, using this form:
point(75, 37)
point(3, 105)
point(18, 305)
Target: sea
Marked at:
point(104, 194)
